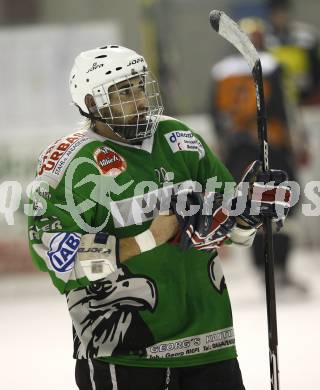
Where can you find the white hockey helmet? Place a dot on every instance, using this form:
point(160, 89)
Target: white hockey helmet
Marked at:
point(95, 71)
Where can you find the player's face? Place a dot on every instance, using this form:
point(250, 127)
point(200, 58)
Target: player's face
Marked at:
point(279, 17)
point(128, 102)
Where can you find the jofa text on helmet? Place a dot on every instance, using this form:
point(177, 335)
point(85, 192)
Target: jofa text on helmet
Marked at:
point(136, 61)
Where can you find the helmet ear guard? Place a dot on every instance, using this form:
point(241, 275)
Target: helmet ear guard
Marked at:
point(96, 71)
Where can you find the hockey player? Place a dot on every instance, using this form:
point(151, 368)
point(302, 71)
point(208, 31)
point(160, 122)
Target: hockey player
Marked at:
point(234, 114)
point(296, 46)
point(147, 311)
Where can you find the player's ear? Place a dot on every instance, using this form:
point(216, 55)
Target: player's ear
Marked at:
point(90, 103)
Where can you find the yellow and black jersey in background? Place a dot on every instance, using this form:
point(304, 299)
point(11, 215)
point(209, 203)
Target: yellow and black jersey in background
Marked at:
point(297, 50)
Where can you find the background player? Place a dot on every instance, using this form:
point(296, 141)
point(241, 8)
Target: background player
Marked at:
point(233, 109)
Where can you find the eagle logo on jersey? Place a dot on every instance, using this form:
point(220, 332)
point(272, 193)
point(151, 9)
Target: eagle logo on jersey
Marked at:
point(216, 274)
point(109, 162)
point(106, 314)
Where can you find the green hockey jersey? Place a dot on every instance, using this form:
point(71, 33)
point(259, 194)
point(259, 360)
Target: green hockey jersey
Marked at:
point(162, 308)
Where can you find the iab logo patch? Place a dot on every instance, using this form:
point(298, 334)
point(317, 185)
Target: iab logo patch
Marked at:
point(109, 162)
point(63, 250)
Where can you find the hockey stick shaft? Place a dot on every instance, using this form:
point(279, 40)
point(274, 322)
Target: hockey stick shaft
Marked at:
point(230, 31)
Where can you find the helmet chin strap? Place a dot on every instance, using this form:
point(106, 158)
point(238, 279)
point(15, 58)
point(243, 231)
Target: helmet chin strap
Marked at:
point(125, 132)
point(90, 115)
point(121, 131)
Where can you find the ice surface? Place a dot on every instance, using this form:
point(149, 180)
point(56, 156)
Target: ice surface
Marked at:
point(36, 339)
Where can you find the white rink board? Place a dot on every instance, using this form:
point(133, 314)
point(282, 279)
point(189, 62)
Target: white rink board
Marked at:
point(35, 71)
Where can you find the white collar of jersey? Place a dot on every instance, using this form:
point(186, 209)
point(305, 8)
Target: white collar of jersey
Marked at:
point(236, 65)
point(146, 145)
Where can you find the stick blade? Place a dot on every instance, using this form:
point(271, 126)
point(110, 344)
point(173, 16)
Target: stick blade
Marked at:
point(214, 18)
point(229, 30)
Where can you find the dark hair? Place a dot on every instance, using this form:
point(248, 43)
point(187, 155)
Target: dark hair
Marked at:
point(278, 4)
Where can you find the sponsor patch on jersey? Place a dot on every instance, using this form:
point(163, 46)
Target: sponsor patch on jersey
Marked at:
point(49, 224)
point(194, 345)
point(184, 140)
point(63, 250)
point(54, 160)
point(109, 162)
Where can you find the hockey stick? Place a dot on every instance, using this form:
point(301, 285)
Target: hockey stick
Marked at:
point(230, 31)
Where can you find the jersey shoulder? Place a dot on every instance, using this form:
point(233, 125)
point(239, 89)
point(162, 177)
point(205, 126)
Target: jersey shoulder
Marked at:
point(170, 123)
point(54, 160)
point(236, 65)
point(304, 34)
point(179, 136)
point(230, 66)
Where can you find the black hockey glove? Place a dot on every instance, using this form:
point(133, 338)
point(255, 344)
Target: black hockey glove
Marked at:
point(266, 194)
point(205, 229)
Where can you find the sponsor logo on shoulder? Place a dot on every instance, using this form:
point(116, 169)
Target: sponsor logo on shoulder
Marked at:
point(184, 140)
point(109, 162)
point(63, 250)
point(54, 160)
